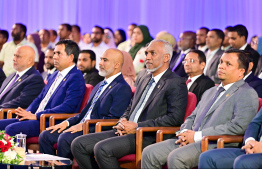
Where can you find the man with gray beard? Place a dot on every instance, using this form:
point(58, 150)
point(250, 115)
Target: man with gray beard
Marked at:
point(108, 100)
point(160, 100)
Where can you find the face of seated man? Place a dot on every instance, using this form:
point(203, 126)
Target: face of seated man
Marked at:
point(192, 65)
point(49, 60)
point(84, 62)
point(61, 60)
point(23, 58)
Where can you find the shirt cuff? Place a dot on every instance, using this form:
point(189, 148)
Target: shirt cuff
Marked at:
point(182, 131)
point(67, 123)
point(249, 138)
point(198, 136)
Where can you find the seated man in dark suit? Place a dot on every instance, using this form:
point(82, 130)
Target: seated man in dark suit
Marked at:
point(249, 156)
point(158, 101)
point(86, 64)
point(250, 78)
point(2, 76)
point(20, 88)
point(107, 101)
point(187, 41)
point(197, 82)
point(226, 109)
point(62, 94)
point(49, 64)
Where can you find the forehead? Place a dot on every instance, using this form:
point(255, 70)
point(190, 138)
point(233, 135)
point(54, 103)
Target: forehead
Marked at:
point(191, 55)
point(61, 27)
point(137, 29)
point(212, 33)
point(59, 48)
point(232, 34)
point(156, 46)
point(16, 26)
point(230, 57)
point(49, 53)
point(201, 32)
point(96, 30)
point(84, 55)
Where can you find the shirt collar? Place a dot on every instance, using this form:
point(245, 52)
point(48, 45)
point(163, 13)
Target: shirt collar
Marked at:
point(21, 43)
point(226, 87)
point(112, 78)
point(186, 51)
point(23, 72)
point(243, 47)
point(204, 48)
point(194, 78)
point(247, 75)
point(51, 71)
point(212, 52)
point(157, 77)
point(66, 70)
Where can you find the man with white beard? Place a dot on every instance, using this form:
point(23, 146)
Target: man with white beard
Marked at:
point(108, 100)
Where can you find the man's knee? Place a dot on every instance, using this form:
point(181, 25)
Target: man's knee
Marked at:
point(102, 149)
point(241, 162)
point(44, 136)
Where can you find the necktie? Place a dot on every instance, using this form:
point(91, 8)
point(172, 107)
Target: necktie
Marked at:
point(48, 76)
point(11, 84)
point(179, 60)
point(188, 81)
point(142, 99)
point(49, 94)
point(94, 100)
point(202, 116)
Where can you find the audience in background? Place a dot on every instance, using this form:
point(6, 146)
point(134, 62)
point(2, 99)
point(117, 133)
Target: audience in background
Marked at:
point(86, 64)
point(53, 36)
point(45, 40)
point(164, 35)
point(97, 45)
point(7, 52)
point(76, 37)
point(141, 37)
point(35, 39)
point(87, 38)
point(49, 64)
point(126, 45)
point(201, 36)
point(120, 36)
point(214, 41)
point(108, 38)
point(128, 70)
point(64, 31)
point(3, 38)
point(226, 45)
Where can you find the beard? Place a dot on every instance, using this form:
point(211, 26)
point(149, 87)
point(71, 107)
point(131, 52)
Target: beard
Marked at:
point(104, 73)
point(154, 69)
point(16, 36)
point(94, 40)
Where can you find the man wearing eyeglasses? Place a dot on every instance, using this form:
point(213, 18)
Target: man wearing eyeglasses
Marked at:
point(197, 82)
point(97, 45)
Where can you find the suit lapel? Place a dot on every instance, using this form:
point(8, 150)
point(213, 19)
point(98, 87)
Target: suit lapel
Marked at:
point(9, 78)
point(217, 54)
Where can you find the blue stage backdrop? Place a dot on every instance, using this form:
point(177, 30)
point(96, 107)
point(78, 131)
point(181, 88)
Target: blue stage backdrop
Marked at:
point(174, 16)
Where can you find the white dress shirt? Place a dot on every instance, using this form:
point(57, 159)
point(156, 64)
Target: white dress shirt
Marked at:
point(99, 50)
point(243, 47)
point(209, 57)
point(193, 79)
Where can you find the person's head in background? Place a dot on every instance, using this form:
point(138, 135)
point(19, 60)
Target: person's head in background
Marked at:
point(120, 36)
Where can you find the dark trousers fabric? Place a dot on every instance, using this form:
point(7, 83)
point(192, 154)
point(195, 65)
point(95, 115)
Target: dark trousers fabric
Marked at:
point(105, 146)
point(13, 126)
point(229, 158)
point(64, 140)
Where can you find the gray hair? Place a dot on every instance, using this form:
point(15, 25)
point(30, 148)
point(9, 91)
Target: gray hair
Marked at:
point(168, 49)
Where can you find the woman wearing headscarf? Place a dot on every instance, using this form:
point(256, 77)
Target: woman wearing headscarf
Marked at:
point(109, 38)
point(128, 70)
point(35, 39)
point(120, 36)
point(141, 38)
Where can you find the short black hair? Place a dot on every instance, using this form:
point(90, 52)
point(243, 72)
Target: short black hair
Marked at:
point(77, 28)
point(220, 34)
point(134, 24)
point(54, 32)
point(5, 34)
point(123, 34)
point(68, 27)
point(201, 55)
point(46, 31)
point(91, 53)
point(243, 60)
point(70, 48)
point(250, 58)
point(241, 30)
point(99, 27)
point(23, 27)
point(205, 28)
point(229, 28)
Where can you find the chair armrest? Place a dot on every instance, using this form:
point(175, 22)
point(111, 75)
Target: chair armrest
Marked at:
point(166, 130)
point(43, 120)
point(3, 111)
point(105, 122)
point(206, 139)
point(94, 121)
point(60, 117)
point(229, 139)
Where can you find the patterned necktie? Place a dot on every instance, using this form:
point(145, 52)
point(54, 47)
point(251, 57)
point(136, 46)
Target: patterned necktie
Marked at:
point(188, 81)
point(179, 60)
point(11, 84)
point(202, 116)
point(94, 100)
point(132, 117)
point(49, 94)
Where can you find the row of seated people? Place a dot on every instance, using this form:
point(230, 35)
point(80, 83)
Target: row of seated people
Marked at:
point(160, 100)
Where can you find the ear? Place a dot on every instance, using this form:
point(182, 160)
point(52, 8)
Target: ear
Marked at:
point(166, 58)
point(250, 66)
point(117, 65)
point(202, 65)
point(242, 72)
point(93, 63)
point(71, 57)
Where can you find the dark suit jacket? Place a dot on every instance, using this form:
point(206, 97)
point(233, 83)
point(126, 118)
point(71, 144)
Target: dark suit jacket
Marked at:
point(256, 83)
point(212, 67)
point(93, 77)
point(2, 77)
point(66, 98)
point(180, 68)
point(200, 85)
point(254, 129)
point(259, 66)
point(23, 91)
point(110, 105)
point(255, 55)
point(140, 76)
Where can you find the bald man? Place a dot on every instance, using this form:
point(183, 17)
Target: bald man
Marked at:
point(108, 100)
point(20, 88)
point(187, 41)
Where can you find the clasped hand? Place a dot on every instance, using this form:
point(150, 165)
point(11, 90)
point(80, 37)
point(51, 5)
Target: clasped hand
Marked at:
point(185, 138)
point(22, 114)
point(252, 146)
point(125, 127)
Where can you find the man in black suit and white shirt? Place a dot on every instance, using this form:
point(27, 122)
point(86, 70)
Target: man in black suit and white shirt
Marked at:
point(158, 101)
point(197, 82)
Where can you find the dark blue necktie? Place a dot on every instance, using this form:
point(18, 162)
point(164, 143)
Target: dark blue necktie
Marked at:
point(11, 84)
point(202, 116)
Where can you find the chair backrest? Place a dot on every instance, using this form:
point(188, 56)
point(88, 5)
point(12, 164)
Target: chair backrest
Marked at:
point(133, 89)
point(259, 103)
point(89, 88)
point(191, 104)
